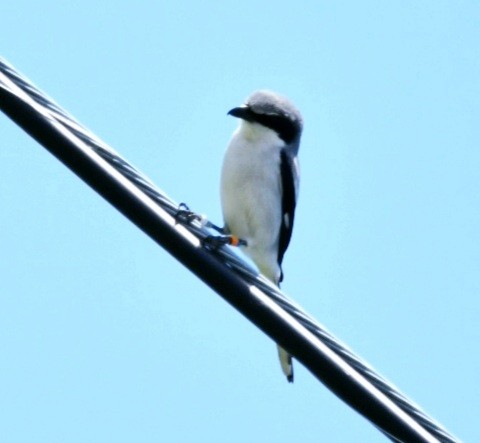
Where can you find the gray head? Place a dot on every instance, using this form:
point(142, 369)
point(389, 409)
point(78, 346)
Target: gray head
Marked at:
point(273, 111)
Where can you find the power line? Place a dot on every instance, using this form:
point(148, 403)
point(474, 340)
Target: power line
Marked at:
point(184, 236)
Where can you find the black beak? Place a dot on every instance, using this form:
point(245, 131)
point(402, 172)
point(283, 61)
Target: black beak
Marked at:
point(242, 112)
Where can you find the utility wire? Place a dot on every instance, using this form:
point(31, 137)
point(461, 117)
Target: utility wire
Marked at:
point(185, 235)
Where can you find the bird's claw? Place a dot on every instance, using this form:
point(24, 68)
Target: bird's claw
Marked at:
point(215, 241)
point(184, 215)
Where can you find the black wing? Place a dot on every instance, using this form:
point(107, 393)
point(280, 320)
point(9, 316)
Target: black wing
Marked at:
point(287, 171)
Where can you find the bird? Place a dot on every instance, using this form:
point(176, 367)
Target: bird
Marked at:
point(259, 185)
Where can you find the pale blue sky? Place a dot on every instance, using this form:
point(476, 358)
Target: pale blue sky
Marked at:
point(104, 337)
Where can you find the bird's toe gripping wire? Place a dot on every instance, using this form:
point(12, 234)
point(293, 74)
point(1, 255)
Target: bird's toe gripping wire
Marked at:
point(184, 215)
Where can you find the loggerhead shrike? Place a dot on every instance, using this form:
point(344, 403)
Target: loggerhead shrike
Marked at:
point(259, 184)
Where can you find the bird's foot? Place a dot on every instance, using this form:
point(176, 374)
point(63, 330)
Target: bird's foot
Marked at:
point(215, 241)
point(185, 216)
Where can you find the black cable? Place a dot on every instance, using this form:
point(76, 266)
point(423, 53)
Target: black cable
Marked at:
point(184, 233)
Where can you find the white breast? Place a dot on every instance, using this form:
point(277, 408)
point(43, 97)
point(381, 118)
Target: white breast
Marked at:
point(251, 193)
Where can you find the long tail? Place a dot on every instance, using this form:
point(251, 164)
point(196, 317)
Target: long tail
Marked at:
point(274, 275)
point(286, 363)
